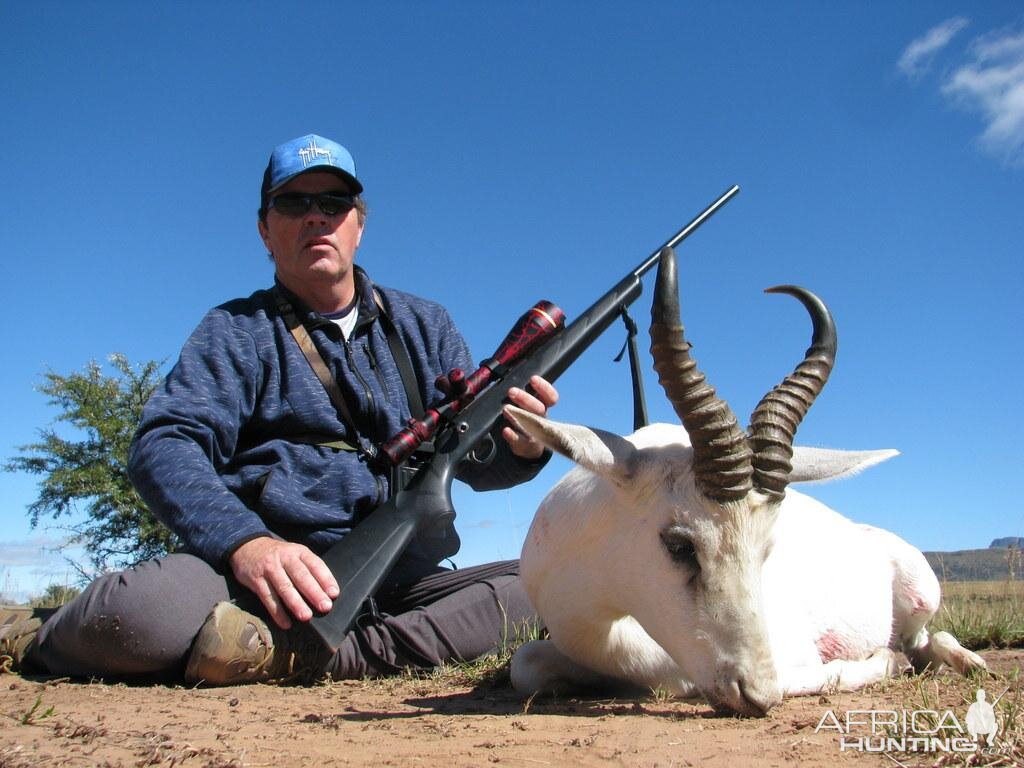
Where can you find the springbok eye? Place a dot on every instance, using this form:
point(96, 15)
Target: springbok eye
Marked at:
point(680, 547)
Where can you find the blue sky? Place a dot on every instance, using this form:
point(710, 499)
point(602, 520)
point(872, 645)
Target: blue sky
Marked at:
point(518, 151)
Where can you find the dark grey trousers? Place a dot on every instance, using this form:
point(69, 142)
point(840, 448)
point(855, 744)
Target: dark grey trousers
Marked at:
point(140, 623)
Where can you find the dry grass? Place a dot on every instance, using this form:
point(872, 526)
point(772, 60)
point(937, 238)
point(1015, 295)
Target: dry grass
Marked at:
point(490, 670)
point(947, 691)
point(983, 614)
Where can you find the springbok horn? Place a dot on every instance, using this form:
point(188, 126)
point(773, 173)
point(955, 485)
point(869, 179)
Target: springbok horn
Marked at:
point(721, 455)
point(776, 418)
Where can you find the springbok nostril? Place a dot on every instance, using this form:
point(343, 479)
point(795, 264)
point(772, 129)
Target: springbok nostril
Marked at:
point(758, 698)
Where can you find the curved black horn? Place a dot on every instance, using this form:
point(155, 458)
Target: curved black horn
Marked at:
point(721, 455)
point(776, 418)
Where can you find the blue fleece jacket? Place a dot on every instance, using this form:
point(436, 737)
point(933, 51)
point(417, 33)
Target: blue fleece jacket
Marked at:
point(230, 447)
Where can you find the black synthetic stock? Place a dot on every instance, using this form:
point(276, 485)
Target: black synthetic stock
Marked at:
point(362, 560)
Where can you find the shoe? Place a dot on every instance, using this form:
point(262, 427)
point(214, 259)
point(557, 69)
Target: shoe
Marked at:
point(235, 647)
point(17, 632)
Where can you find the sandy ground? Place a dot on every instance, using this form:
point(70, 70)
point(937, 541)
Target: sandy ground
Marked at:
point(431, 722)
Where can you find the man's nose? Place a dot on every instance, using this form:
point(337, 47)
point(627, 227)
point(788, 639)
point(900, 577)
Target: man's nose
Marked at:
point(314, 215)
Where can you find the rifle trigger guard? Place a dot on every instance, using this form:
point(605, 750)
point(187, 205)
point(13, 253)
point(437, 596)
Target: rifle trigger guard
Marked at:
point(482, 452)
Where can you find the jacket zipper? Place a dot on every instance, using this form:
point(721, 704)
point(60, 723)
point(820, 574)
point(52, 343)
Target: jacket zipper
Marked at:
point(370, 405)
point(376, 369)
point(371, 408)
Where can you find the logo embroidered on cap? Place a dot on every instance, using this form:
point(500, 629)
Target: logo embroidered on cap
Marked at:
point(313, 152)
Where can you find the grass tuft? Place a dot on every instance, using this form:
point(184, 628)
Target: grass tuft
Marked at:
point(491, 670)
point(35, 713)
point(947, 691)
point(982, 614)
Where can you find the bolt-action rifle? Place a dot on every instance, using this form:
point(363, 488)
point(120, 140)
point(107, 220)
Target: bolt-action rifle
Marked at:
point(537, 345)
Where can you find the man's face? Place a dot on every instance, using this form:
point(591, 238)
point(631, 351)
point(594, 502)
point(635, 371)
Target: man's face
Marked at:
point(313, 249)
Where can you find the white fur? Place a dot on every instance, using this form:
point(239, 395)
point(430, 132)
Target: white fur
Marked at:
point(789, 598)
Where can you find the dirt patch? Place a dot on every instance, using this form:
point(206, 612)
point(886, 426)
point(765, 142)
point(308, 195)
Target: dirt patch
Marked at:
point(437, 722)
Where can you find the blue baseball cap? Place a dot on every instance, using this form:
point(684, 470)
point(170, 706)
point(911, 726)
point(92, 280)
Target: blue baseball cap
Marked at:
point(308, 153)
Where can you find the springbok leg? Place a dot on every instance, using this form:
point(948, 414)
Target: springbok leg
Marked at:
point(839, 675)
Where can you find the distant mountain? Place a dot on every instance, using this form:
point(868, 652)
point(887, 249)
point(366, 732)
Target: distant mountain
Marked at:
point(992, 564)
point(1006, 542)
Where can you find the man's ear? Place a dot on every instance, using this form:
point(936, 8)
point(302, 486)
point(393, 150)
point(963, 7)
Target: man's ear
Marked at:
point(261, 226)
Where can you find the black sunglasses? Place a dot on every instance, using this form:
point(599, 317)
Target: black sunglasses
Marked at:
point(300, 203)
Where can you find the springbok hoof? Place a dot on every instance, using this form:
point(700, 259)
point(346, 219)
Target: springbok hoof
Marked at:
point(950, 652)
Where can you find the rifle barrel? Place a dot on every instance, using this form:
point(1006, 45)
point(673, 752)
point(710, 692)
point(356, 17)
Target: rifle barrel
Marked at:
point(561, 351)
point(686, 231)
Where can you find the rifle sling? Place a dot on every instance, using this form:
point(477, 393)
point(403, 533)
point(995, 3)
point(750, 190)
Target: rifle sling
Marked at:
point(401, 357)
point(635, 371)
point(323, 441)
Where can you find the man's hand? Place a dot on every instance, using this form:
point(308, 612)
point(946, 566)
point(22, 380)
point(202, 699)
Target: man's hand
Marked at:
point(541, 396)
point(289, 579)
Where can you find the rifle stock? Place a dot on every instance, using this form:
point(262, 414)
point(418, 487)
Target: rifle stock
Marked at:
point(362, 560)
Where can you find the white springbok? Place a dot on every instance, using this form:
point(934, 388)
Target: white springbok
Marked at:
point(676, 558)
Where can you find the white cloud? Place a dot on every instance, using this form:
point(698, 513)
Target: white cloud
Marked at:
point(999, 45)
point(992, 83)
point(28, 566)
point(38, 551)
point(482, 524)
point(919, 54)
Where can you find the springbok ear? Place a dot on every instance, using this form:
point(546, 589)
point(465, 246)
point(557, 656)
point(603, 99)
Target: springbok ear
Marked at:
point(603, 453)
point(811, 465)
